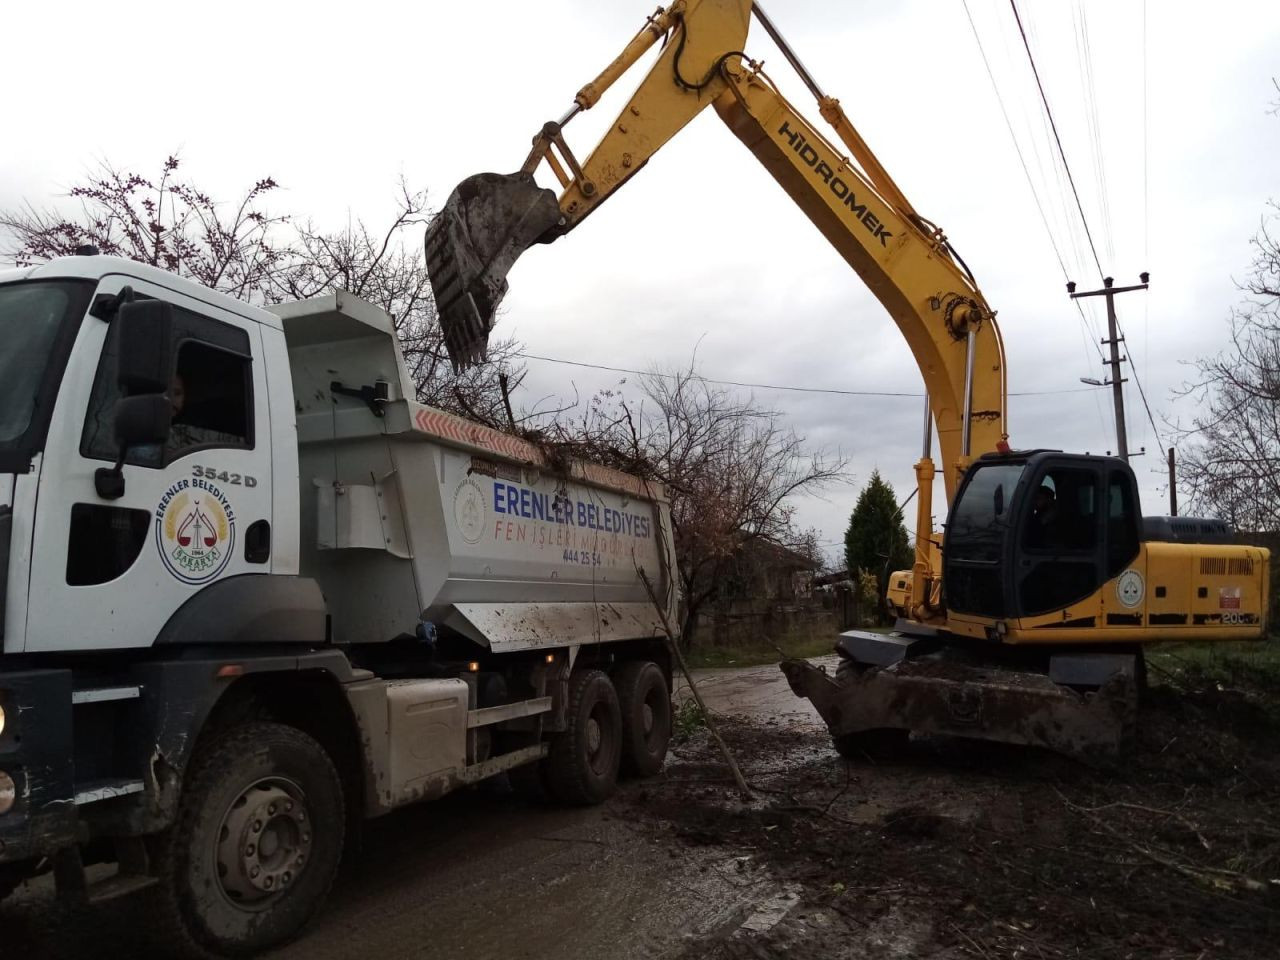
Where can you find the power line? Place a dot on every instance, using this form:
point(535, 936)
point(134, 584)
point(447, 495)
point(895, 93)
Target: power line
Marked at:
point(1057, 139)
point(775, 386)
point(1009, 125)
point(1093, 125)
point(1142, 393)
point(1088, 335)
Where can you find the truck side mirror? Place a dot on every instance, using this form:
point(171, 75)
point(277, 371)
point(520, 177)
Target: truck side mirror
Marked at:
point(142, 365)
point(142, 414)
point(142, 419)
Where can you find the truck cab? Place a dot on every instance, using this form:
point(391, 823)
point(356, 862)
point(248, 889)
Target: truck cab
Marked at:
point(195, 507)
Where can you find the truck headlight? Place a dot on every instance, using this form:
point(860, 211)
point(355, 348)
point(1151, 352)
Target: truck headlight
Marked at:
point(8, 793)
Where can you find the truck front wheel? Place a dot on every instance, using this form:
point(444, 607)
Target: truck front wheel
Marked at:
point(257, 842)
point(582, 766)
point(646, 717)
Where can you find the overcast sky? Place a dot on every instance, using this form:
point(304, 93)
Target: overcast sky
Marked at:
point(703, 249)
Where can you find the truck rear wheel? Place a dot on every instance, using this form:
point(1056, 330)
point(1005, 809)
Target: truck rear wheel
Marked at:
point(645, 702)
point(257, 842)
point(582, 767)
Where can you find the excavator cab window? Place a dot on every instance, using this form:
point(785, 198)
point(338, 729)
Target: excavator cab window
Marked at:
point(977, 540)
point(1059, 556)
point(1123, 522)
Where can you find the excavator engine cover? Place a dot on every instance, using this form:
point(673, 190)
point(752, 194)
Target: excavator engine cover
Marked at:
point(484, 226)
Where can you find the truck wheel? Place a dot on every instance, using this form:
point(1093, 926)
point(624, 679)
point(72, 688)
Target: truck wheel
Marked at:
point(582, 767)
point(646, 717)
point(257, 841)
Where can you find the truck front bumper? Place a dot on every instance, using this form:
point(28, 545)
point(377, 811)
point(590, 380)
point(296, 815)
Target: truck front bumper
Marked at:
point(36, 753)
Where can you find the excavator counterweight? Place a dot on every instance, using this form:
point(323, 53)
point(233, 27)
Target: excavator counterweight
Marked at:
point(488, 221)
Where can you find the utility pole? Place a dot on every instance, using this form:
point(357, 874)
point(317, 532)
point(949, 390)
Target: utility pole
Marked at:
point(1109, 290)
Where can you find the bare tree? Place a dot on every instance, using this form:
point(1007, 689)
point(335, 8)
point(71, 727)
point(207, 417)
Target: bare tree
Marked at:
point(241, 249)
point(1230, 458)
point(730, 466)
point(166, 222)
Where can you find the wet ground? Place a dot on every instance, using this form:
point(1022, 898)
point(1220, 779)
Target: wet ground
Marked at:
point(952, 851)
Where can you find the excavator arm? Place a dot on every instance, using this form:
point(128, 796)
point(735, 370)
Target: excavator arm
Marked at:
point(906, 261)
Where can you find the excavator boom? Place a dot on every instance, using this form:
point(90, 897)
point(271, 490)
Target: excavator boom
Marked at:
point(905, 261)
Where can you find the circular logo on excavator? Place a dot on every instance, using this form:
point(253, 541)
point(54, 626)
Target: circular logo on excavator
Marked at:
point(195, 530)
point(468, 511)
point(1130, 588)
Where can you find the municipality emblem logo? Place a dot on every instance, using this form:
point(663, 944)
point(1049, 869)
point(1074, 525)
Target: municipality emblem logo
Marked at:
point(468, 511)
point(195, 530)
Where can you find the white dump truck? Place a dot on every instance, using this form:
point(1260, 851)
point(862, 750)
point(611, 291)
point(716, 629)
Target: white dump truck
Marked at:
point(254, 593)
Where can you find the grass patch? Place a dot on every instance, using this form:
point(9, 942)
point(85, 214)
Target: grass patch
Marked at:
point(755, 655)
point(687, 720)
point(1247, 674)
point(1252, 664)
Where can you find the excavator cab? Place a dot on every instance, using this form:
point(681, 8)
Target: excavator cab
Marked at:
point(1033, 533)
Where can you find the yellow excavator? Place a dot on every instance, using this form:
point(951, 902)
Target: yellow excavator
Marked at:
point(1051, 582)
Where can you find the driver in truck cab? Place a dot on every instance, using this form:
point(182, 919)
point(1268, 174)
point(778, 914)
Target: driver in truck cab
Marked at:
point(182, 434)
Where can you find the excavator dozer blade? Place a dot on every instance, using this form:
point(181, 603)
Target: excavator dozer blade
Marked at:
point(484, 226)
point(1008, 706)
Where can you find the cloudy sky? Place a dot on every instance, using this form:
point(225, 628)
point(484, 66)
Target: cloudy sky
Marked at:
point(1163, 109)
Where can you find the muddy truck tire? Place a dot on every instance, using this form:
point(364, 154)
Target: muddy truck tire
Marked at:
point(645, 703)
point(582, 767)
point(256, 845)
point(867, 744)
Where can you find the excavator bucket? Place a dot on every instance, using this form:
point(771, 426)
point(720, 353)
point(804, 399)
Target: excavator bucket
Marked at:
point(484, 226)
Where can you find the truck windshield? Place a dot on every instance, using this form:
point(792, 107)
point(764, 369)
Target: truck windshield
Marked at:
point(35, 318)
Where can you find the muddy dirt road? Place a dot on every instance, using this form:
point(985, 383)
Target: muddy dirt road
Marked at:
point(951, 851)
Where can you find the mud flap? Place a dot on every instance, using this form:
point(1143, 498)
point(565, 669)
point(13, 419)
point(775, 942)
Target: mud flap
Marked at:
point(983, 703)
point(471, 245)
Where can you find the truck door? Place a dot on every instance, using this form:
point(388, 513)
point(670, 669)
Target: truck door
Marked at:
point(108, 573)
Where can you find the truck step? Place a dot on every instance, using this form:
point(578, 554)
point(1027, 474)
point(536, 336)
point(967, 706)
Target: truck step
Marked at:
point(508, 711)
point(104, 694)
point(94, 790)
point(119, 885)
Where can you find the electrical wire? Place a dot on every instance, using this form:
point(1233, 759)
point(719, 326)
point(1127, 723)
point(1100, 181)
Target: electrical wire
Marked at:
point(1009, 126)
point(1142, 393)
point(1057, 139)
point(1088, 334)
point(774, 386)
point(1084, 55)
